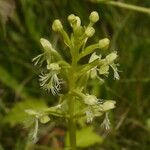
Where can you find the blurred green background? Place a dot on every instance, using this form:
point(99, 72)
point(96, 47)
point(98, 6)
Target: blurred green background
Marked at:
point(24, 22)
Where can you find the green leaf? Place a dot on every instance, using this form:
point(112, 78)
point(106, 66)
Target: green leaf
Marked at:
point(86, 137)
point(17, 114)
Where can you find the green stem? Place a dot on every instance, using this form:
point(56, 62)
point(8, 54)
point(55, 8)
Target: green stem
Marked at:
point(124, 5)
point(72, 125)
point(71, 104)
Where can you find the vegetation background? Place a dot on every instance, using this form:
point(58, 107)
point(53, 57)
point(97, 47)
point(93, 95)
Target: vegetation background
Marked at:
point(24, 22)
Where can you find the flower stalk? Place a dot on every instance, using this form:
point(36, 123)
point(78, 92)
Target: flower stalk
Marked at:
point(57, 72)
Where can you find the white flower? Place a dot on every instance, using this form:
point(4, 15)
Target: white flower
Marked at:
point(50, 81)
point(104, 68)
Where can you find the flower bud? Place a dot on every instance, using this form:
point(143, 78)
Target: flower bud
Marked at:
point(89, 31)
point(53, 66)
point(74, 20)
point(111, 57)
point(94, 17)
point(90, 99)
point(57, 26)
point(104, 43)
point(108, 105)
point(71, 18)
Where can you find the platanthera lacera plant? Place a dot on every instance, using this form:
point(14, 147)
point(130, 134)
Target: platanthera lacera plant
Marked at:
point(75, 102)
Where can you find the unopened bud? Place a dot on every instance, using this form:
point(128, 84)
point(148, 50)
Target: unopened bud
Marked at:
point(90, 31)
point(104, 43)
point(71, 18)
point(111, 57)
point(94, 17)
point(74, 20)
point(57, 26)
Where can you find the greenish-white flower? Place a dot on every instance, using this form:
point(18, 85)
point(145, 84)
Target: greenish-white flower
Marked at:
point(50, 81)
